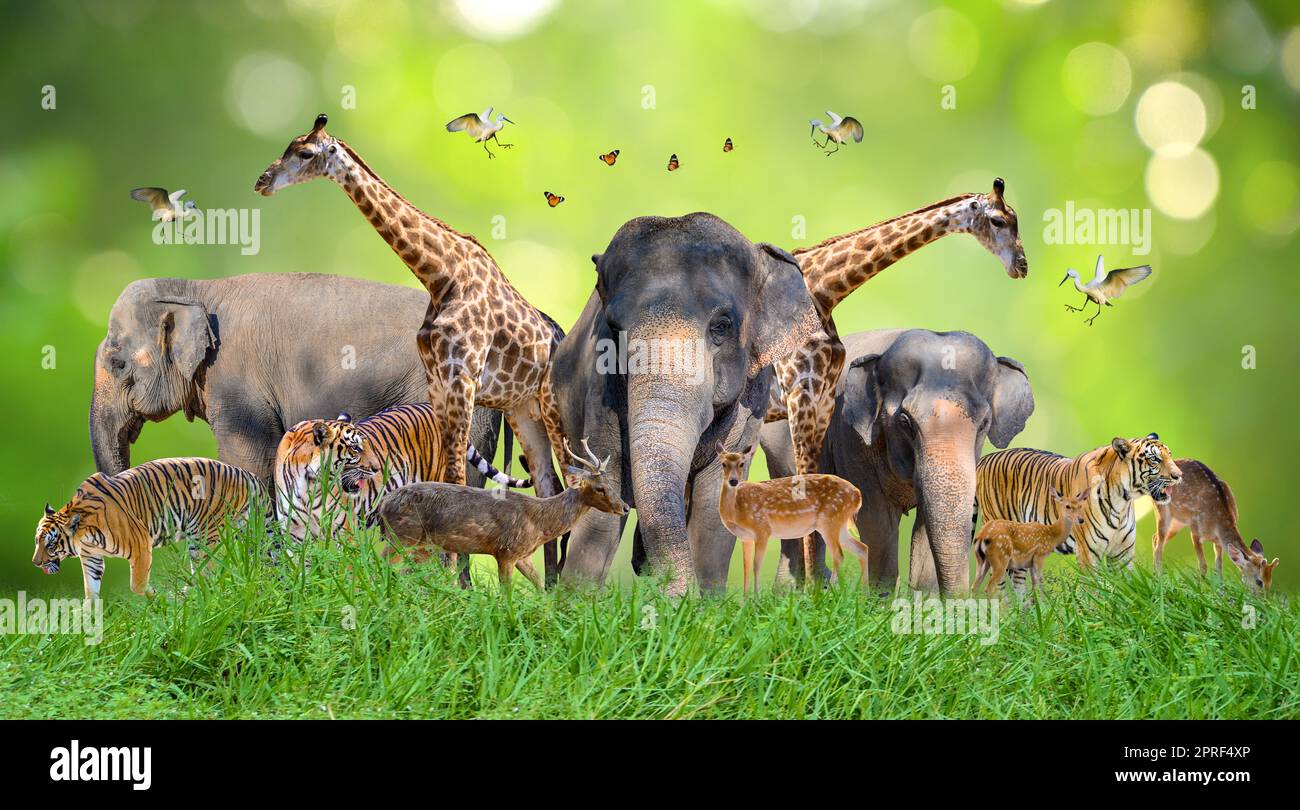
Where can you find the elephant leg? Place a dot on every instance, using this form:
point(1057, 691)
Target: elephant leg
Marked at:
point(536, 445)
point(250, 447)
point(485, 426)
point(878, 527)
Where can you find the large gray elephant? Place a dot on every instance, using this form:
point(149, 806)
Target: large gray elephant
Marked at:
point(910, 421)
point(252, 355)
point(696, 312)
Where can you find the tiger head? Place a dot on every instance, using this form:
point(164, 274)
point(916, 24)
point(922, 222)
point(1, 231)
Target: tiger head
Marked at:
point(315, 449)
point(55, 537)
point(1150, 464)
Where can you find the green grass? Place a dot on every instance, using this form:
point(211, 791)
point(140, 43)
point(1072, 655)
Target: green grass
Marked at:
point(252, 640)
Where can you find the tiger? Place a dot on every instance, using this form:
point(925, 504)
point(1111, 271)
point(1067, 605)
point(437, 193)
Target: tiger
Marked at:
point(130, 514)
point(1017, 485)
point(367, 459)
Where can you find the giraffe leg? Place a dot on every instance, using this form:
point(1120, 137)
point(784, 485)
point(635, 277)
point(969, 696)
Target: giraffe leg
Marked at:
point(536, 445)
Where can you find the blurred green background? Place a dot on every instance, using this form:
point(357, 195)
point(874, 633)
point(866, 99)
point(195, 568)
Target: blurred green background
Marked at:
point(1057, 97)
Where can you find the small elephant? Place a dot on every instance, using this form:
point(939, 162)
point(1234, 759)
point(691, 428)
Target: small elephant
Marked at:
point(910, 421)
point(252, 355)
point(672, 354)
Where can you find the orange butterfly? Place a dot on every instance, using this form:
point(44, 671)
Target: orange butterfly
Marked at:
point(727, 147)
point(553, 199)
point(610, 158)
point(673, 163)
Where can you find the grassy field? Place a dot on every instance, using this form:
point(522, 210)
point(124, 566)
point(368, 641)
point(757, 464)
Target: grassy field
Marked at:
point(353, 637)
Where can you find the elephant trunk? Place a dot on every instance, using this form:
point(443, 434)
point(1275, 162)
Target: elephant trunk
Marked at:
point(945, 485)
point(112, 429)
point(666, 416)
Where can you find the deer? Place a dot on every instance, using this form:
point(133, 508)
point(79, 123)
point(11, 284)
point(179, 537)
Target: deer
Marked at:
point(795, 506)
point(1206, 504)
point(1003, 544)
point(507, 525)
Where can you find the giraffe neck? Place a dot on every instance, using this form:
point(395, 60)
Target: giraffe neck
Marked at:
point(838, 266)
point(421, 241)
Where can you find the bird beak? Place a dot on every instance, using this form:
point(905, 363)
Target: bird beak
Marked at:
point(1067, 277)
point(507, 120)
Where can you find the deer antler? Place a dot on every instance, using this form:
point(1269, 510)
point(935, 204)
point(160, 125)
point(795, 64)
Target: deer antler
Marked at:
point(585, 463)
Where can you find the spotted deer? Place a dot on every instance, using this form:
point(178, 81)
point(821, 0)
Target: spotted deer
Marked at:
point(1003, 544)
point(1205, 503)
point(756, 511)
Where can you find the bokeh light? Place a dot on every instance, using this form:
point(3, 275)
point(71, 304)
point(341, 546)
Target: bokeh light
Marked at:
point(1097, 78)
point(266, 93)
point(1171, 119)
point(944, 45)
point(502, 19)
point(1185, 186)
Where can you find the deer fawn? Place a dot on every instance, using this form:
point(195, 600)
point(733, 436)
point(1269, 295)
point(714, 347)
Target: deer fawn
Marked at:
point(756, 511)
point(1003, 544)
point(1205, 503)
point(507, 525)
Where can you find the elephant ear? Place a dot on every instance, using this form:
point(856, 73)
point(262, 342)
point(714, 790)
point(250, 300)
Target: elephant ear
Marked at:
point(1013, 402)
point(184, 335)
point(860, 400)
point(784, 311)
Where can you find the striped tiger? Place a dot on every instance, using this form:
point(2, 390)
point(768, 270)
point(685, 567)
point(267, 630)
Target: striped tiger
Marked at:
point(1017, 485)
point(130, 514)
point(367, 459)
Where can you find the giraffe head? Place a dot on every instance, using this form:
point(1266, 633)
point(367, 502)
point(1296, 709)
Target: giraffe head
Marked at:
point(307, 157)
point(994, 224)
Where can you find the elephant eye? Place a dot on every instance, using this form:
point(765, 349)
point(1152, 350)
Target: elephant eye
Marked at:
point(720, 328)
point(904, 421)
point(116, 363)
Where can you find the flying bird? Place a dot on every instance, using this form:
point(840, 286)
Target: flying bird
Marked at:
point(727, 146)
point(1104, 286)
point(553, 199)
point(838, 130)
point(166, 207)
point(481, 128)
point(609, 158)
point(673, 163)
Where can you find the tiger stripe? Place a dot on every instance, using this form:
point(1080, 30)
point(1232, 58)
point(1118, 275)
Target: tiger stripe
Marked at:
point(129, 514)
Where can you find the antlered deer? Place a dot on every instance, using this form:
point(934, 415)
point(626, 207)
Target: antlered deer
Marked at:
point(505, 524)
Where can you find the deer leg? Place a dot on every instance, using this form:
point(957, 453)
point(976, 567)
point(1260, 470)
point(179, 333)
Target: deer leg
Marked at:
point(1218, 559)
point(526, 568)
point(1200, 552)
point(760, 548)
point(504, 568)
point(858, 549)
point(747, 564)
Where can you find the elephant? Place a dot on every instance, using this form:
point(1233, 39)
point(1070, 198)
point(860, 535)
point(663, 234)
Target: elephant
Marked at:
point(252, 355)
point(672, 354)
point(911, 415)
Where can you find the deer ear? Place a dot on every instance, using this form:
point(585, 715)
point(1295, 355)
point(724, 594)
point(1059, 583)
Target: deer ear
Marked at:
point(717, 446)
point(1256, 546)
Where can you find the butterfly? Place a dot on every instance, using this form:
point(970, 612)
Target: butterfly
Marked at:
point(610, 158)
point(553, 199)
point(727, 147)
point(673, 163)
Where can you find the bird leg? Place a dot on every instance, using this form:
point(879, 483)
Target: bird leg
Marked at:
point(1086, 299)
point(833, 151)
point(1094, 317)
point(502, 145)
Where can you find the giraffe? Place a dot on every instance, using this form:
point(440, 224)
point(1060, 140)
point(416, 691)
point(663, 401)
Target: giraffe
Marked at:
point(481, 341)
point(807, 377)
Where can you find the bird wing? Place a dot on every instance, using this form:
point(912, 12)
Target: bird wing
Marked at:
point(469, 122)
point(835, 118)
point(486, 115)
point(851, 126)
point(175, 196)
point(1100, 275)
point(156, 197)
point(1118, 280)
